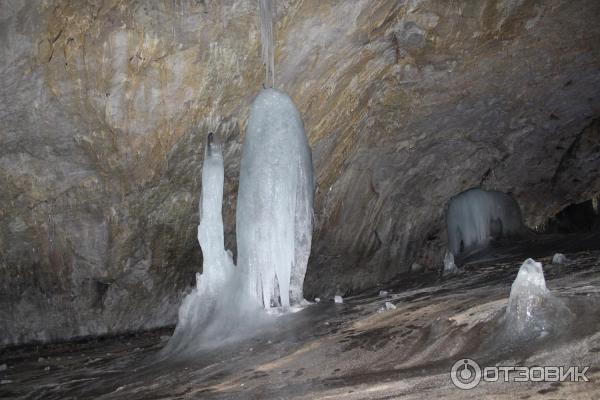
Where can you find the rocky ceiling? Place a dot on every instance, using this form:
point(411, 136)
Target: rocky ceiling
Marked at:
point(104, 106)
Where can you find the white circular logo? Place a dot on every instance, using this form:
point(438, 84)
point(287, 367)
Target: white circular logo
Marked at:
point(465, 374)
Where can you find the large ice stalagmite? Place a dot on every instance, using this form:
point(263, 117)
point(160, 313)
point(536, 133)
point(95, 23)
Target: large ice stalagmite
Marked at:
point(275, 201)
point(477, 216)
point(217, 279)
point(532, 309)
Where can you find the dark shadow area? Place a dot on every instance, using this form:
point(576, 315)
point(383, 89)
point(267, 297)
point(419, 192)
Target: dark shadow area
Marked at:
point(575, 218)
point(534, 246)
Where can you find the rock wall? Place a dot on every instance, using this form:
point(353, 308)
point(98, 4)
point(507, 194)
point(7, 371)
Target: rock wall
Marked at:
point(105, 105)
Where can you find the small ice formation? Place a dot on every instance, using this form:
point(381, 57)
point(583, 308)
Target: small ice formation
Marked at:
point(533, 311)
point(449, 265)
point(477, 216)
point(275, 202)
point(559, 259)
point(416, 268)
point(338, 299)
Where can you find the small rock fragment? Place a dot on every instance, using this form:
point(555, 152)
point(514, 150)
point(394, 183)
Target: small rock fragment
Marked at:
point(338, 299)
point(383, 293)
point(388, 306)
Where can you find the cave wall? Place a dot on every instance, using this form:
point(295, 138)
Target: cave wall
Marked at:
point(105, 106)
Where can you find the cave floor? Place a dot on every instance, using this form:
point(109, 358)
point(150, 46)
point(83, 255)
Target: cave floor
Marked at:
point(341, 351)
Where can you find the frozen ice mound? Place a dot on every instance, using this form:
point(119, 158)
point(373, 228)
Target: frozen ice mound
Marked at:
point(477, 216)
point(532, 310)
point(559, 259)
point(275, 202)
point(386, 307)
point(449, 265)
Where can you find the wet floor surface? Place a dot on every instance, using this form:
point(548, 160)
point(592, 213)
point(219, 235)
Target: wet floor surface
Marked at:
point(355, 350)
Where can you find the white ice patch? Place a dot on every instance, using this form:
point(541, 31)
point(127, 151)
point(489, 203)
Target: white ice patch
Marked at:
point(477, 216)
point(338, 299)
point(449, 266)
point(275, 202)
point(386, 307)
point(559, 258)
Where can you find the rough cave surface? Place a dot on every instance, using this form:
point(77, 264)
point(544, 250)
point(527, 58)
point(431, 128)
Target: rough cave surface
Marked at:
point(104, 106)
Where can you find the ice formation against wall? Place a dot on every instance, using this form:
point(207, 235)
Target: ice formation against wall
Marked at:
point(275, 201)
point(477, 216)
